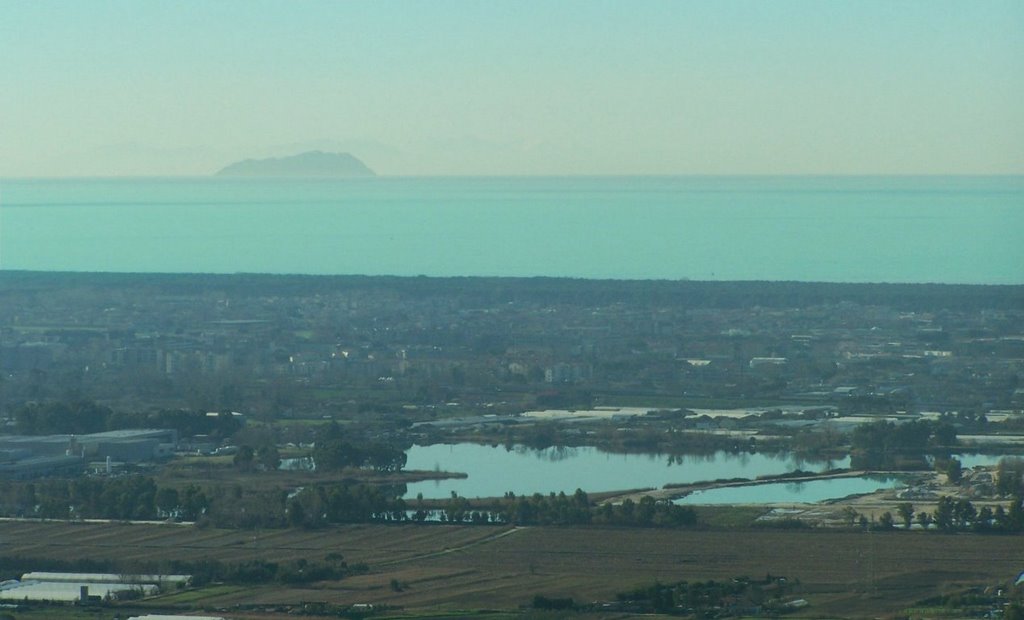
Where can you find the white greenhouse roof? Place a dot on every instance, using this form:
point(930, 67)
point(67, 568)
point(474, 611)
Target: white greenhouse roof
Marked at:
point(164, 617)
point(63, 591)
point(85, 578)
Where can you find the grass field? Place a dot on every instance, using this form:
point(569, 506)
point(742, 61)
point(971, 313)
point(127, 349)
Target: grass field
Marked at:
point(444, 569)
point(195, 595)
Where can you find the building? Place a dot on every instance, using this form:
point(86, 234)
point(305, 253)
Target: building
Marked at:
point(23, 456)
point(76, 587)
point(25, 467)
point(175, 617)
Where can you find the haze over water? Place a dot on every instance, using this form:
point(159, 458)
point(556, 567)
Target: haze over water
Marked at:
point(844, 229)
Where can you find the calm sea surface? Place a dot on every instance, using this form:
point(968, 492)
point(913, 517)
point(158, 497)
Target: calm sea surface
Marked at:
point(920, 229)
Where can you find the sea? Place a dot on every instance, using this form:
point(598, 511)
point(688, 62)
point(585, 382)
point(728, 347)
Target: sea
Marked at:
point(948, 229)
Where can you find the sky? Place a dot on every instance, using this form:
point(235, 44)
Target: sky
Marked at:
point(523, 87)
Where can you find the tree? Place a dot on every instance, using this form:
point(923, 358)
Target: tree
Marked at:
point(296, 513)
point(385, 458)
point(194, 503)
point(999, 516)
point(965, 513)
point(1010, 476)
point(167, 500)
point(944, 435)
point(269, 457)
point(850, 515)
point(924, 519)
point(954, 470)
point(945, 513)
point(645, 510)
point(984, 521)
point(1015, 515)
point(76, 416)
point(906, 512)
point(331, 451)
point(1014, 611)
point(885, 522)
point(244, 457)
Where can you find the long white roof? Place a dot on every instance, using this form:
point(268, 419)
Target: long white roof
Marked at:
point(64, 591)
point(103, 578)
point(163, 617)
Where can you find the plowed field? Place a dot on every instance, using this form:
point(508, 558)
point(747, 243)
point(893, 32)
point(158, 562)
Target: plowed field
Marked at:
point(844, 574)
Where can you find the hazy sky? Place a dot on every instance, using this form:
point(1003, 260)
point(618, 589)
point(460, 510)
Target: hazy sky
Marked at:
point(519, 87)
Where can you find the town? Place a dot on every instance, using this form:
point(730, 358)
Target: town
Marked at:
point(259, 403)
point(277, 347)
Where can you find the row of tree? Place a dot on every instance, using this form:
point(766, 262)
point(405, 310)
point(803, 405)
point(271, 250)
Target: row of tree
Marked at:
point(81, 417)
point(561, 509)
point(950, 515)
point(889, 438)
point(346, 502)
point(205, 570)
point(129, 497)
point(140, 497)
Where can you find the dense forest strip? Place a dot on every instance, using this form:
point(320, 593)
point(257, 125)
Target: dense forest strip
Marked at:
point(492, 290)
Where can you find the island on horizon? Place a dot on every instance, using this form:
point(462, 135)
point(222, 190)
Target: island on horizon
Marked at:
point(312, 164)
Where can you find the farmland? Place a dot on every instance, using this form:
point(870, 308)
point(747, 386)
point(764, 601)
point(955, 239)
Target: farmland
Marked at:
point(439, 568)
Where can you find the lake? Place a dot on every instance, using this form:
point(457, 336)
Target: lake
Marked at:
point(495, 470)
point(809, 492)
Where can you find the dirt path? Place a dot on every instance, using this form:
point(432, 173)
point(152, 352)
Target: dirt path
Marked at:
point(469, 545)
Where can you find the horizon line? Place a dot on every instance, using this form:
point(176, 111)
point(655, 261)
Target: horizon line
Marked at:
point(805, 175)
point(236, 274)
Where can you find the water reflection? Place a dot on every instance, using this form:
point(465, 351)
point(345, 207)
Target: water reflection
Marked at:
point(553, 454)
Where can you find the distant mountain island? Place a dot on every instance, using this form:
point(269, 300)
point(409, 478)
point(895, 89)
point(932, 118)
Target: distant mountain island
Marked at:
point(313, 164)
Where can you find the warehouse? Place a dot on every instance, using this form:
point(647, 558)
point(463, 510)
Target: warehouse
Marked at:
point(23, 456)
point(75, 587)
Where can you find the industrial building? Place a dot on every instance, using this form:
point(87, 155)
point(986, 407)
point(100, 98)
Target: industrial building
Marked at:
point(80, 587)
point(175, 617)
point(30, 456)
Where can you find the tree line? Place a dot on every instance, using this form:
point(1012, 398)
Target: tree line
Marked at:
point(139, 497)
point(477, 291)
point(128, 497)
point(230, 506)
point(915, 436)
point(884, 444)
point(203, 571)
point(80, 417)
point(950, 515)
point(559, 509)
